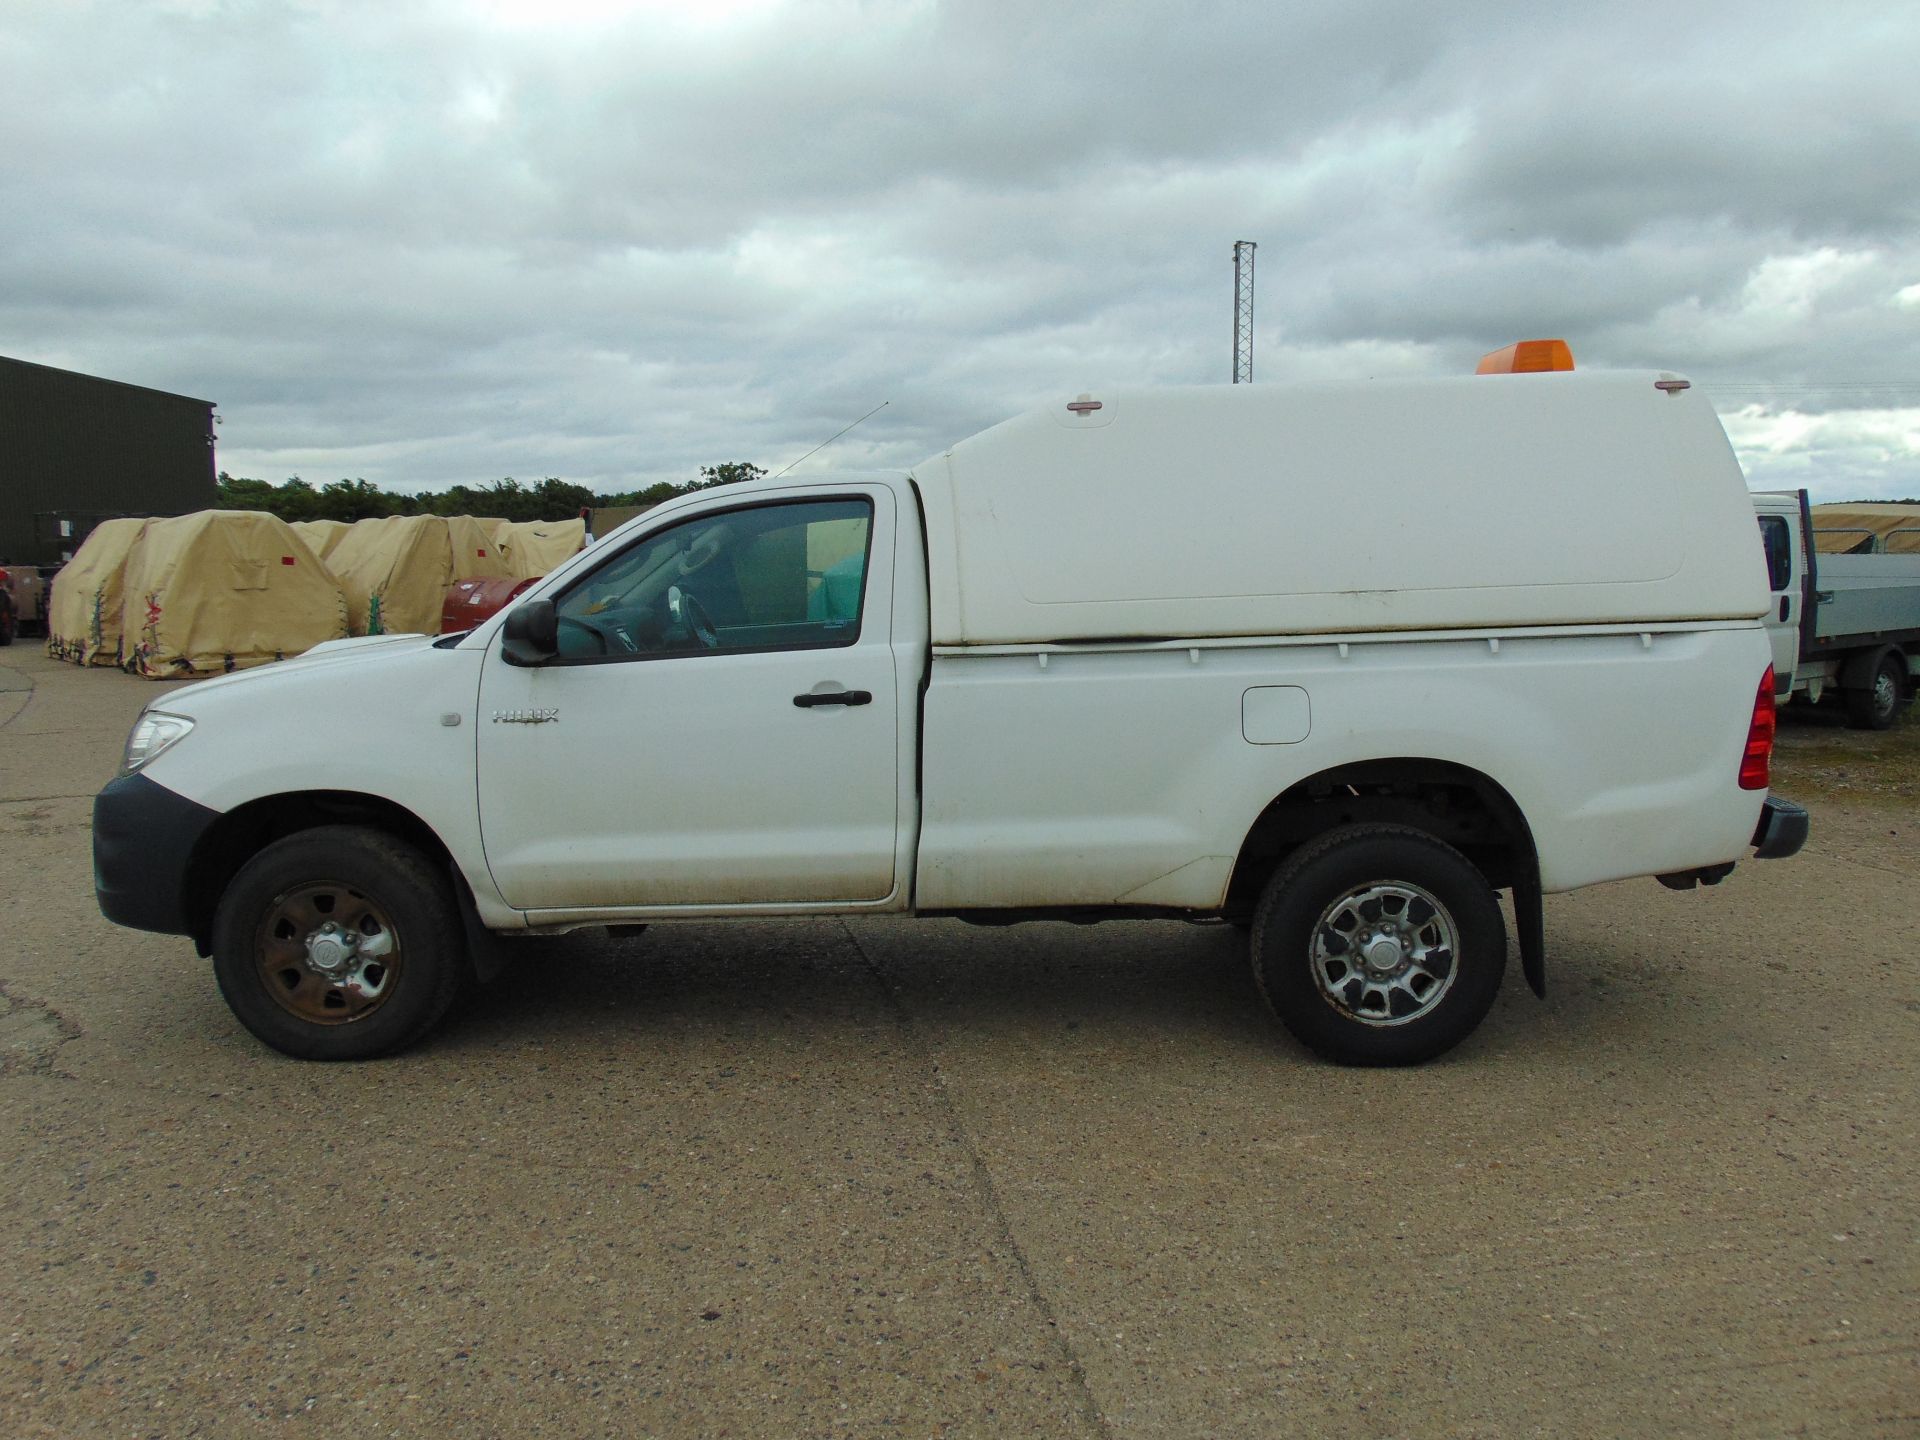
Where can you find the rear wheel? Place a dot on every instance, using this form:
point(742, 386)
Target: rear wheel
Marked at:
point(1878, 706)
point(338, 943)
point(1379, 945)
point(9, 626)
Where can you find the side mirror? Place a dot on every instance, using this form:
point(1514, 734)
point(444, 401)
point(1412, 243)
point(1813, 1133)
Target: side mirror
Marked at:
point(531, 635)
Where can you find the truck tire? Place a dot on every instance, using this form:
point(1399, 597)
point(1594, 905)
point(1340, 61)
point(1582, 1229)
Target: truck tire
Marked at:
point(339, 943)
point(1878, 705)
point(9, 627)
point(1379, 945)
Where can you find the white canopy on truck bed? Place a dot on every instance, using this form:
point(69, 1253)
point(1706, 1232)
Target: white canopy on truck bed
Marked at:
point(1502, 500)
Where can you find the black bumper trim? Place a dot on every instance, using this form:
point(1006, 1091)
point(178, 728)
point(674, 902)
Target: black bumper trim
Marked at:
point(1782, 829)
point(143, 842)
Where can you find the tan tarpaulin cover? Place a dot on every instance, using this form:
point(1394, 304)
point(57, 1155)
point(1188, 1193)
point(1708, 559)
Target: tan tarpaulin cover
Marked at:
point(476, 555)
point(534, 547)
point(222, 590)
point(83, 618)
point(322, 535)
point(396, 570)
point(1849, 520)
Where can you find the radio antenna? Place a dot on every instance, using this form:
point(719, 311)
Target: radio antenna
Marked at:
point(836, 435)
point(1243, 311)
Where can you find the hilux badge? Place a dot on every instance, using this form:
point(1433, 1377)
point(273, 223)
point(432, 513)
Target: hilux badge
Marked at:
point(525, 717)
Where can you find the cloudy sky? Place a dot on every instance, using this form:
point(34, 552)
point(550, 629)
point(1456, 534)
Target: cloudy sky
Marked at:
point(436, 242)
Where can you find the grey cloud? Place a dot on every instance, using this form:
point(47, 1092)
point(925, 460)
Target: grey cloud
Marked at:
point(396, 243)
point(1798, 124)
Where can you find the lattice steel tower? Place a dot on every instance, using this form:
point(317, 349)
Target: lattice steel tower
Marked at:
point(1243, 311)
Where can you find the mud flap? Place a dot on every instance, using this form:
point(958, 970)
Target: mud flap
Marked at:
point(485, 952)
point(1530, 916)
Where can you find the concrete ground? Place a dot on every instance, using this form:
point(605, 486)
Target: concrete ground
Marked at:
point(916, 1179)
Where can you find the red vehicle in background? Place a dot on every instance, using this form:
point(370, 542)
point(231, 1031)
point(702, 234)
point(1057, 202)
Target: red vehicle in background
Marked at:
point(23, 600)
point(469, 602)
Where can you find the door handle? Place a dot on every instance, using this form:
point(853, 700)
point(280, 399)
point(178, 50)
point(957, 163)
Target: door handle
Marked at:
point(1784, 603)
point(835, 697)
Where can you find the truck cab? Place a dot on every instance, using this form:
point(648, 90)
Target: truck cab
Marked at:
point(1786, 535)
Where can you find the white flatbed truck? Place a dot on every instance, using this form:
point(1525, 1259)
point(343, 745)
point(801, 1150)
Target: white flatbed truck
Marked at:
point(1843, 623)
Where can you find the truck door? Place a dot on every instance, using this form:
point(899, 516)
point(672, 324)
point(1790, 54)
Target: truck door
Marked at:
point(719, 726)
point(1780, 538)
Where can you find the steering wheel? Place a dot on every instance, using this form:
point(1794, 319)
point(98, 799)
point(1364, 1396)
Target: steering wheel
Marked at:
point(691, 615)
point(699, 555)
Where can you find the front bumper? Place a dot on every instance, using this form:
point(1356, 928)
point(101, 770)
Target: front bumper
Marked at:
point(143, 841)
point(1782, 829)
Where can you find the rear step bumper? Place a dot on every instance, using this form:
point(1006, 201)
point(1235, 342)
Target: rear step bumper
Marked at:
point(1782, 829)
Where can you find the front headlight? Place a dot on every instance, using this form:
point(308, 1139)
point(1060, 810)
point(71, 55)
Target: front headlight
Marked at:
point(154, 732)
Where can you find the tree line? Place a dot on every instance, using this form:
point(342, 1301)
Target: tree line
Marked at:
point(507, 499)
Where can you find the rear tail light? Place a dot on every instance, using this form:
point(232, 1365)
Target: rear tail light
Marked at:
point(1753, 761)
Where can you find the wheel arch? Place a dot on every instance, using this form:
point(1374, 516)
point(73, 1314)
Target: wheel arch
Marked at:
point(1859, 684)
point(245, 830)
point(1858, 669)
point(1465, 807)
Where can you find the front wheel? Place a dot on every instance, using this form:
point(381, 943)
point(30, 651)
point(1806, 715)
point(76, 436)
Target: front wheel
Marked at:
point(338, 943)
point(1379, 945)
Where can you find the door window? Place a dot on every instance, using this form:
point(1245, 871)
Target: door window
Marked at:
point(1775, 539)
point(788, 576)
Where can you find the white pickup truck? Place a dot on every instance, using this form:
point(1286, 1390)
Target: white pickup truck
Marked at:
point(1333, 663)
